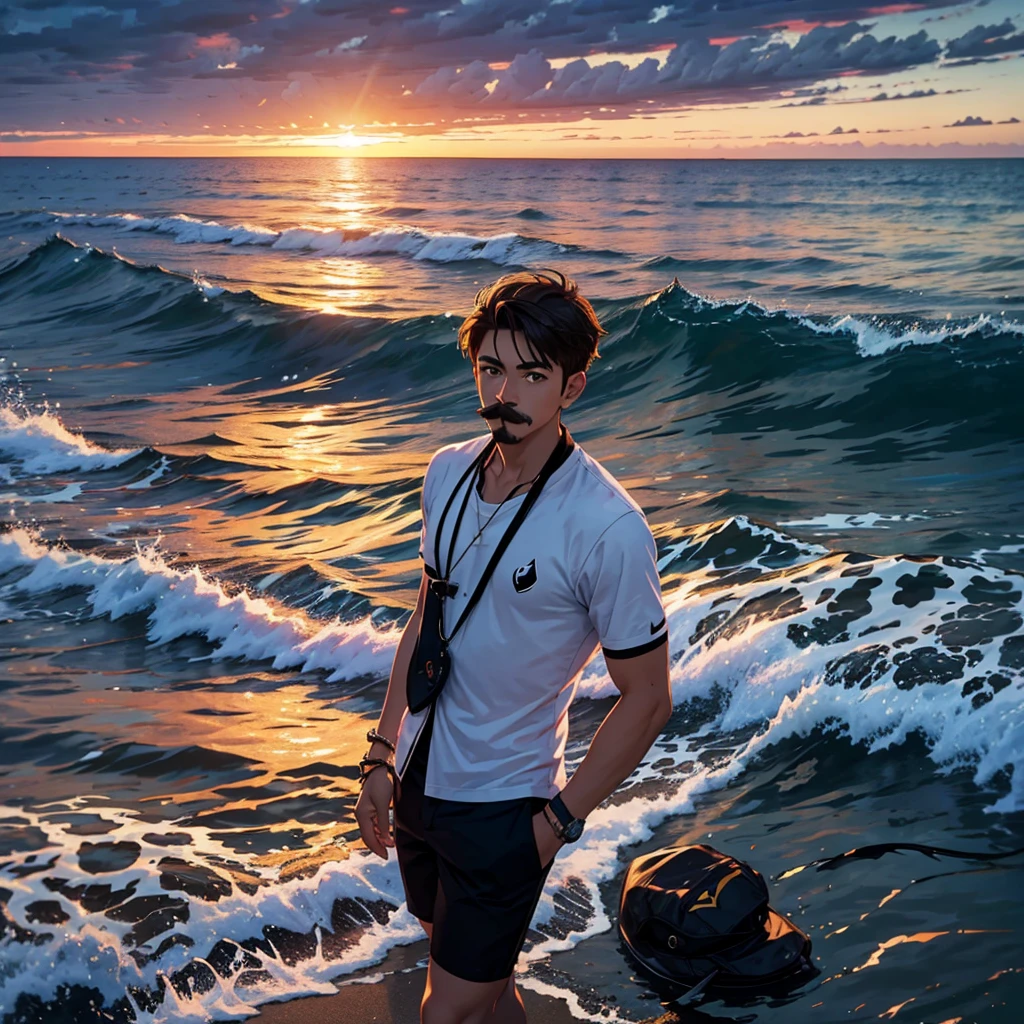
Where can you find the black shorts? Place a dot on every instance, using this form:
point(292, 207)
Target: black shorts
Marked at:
point(471, 869)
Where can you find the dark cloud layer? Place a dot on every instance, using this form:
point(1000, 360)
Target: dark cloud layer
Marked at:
point(491, 55)
point(986, 41)
point(693, 66)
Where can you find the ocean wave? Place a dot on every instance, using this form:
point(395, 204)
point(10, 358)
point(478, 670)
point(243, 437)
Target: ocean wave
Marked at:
point(877, 336)
point(870, 650)
point(752, 369)
point(873, 335)
point(181, 603)
point(508, 249)
point(745, 264)
point(532, 213)
point(39, 444)
point(767, 629)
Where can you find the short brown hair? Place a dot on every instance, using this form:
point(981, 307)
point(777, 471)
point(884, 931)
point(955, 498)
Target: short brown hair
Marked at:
point(559, 325)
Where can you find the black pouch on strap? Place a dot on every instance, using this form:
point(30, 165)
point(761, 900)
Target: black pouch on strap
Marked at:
point(430, 663)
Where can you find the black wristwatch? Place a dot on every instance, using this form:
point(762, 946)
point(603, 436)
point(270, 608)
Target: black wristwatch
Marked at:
point(571, 828)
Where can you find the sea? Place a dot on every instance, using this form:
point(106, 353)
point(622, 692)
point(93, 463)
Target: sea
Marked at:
point(222, 381)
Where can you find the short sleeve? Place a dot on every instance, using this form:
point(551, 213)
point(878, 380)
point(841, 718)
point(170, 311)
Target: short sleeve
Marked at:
point(619, 586)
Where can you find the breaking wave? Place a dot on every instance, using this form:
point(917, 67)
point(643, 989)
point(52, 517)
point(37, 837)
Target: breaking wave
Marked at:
point(770, 638)
point(416, 243)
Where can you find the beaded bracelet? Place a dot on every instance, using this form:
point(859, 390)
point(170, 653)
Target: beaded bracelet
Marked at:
point(368, 764)
point(375, 737)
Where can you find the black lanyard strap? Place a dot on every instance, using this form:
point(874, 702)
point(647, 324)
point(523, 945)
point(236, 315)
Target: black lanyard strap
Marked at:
point(561, 452)
point(473, 466)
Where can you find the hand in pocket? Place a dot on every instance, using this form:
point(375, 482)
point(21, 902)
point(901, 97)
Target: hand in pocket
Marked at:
point(548, 844)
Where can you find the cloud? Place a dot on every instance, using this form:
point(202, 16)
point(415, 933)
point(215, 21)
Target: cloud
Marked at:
point(915, 95)
point(817, 101)
point(692, 66)
point(348, 44)
point(579, 82)
point(1010, 120)
point(457, 83)
point(818, 95)
point(881, 97)
point(525, 76)
point(360, 59)
point(986, 41)
point(301, 85)
point(969, 122)
point(839, 130)
point(24, 137)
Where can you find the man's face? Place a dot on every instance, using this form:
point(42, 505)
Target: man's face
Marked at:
point(530, 393)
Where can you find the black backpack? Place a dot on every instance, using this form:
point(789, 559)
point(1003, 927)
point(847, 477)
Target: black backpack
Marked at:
point(700, 919)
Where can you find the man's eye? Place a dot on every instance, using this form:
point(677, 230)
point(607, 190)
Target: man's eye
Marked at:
point(535, 378)
point(491, 371)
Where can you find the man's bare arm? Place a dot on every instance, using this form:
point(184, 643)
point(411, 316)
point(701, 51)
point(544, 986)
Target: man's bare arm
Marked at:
point(627, 732)
point(377, 791)
point(395, 702)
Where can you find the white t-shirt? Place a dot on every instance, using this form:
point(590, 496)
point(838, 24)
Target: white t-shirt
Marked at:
point(580, 571)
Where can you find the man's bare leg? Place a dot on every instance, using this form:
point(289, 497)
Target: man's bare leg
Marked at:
point(509, 1008)
point(451, 1000)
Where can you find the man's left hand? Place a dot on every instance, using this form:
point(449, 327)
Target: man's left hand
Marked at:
point(548, 844)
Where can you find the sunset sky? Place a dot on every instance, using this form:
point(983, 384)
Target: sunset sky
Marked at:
point(511, 78)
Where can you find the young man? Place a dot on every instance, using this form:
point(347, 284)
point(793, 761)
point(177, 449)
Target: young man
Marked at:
point(482, 803)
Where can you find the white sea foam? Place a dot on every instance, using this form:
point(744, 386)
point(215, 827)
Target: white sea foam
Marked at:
point(875, 339)
point(162, 467)
point(504, 249)
point(67, 493)
point(91, 948)
point(761, 650)
point(749, 650)
point(207, 290)
point(854, 521)
point(1003, 549)
point(40, 444)
point(752, 655)
point(186, 602)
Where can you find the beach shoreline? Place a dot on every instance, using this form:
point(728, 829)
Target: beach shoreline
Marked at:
point(395, 1000)
point(390, 993)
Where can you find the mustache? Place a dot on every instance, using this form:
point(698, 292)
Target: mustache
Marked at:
point(504, 411)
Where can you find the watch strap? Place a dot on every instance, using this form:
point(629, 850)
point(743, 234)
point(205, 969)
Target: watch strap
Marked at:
point(555, 826)
point(561, 812)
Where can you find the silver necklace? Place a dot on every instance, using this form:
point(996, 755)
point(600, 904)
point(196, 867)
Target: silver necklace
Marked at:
point(525, 483)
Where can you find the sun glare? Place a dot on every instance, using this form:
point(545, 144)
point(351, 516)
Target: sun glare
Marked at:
point(349, 140)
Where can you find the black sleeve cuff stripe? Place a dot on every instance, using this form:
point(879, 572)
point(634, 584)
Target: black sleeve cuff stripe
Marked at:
point(632, 652)
point(430, 571)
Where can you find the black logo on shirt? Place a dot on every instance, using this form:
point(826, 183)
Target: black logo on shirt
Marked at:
point(655, 626)
point(525, 576)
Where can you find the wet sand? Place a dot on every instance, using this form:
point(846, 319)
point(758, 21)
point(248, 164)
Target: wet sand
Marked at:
point(396, 1000)
point(393, 1000)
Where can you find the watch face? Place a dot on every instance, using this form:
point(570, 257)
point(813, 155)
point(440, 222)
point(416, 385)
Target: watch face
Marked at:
point(573, 830)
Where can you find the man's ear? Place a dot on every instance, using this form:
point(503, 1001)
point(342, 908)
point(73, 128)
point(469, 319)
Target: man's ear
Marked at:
point(573, 388)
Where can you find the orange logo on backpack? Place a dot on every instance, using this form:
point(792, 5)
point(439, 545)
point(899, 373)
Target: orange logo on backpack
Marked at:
point(712, 901)
point(429, 669)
